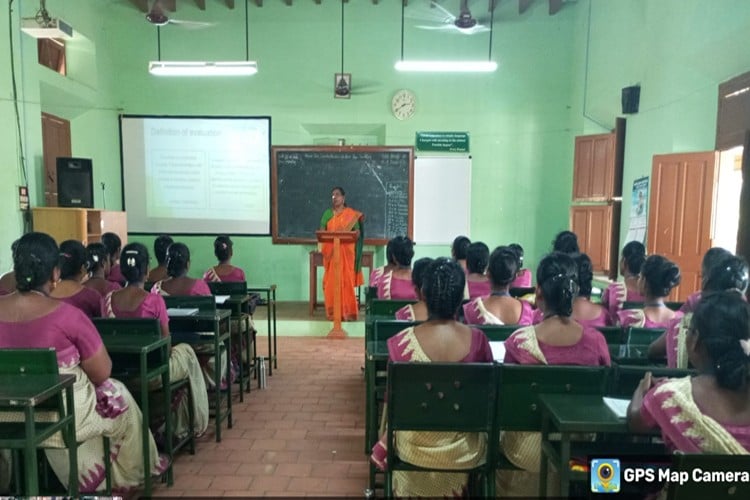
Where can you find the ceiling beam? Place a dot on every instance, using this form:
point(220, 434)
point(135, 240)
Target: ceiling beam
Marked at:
point(523, 6)
point(142, 5)
point(201, 4)
point(555, 6)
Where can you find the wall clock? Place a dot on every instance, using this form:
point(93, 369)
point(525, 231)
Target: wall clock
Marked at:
point(403, 104)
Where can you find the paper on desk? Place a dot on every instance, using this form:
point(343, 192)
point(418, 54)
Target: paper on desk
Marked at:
point(618, 406)
point(220, 299)
point(176, 311)
point(498, 350)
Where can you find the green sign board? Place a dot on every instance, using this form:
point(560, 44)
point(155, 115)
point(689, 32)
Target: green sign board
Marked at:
point(449, 142)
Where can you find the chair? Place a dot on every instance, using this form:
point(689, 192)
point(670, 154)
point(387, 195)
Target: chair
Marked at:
point(521, 291)
point(382, 309)
point(709, 463)
point(519, 388)
point(432, 397)
point(241, 322)
point(497, 333)
point(632, 304)
point(27, 373)
point(627, 377)
point(612, 334)
point(643, 336)
point(139, 354)
point(674, 305)
point(382, 330)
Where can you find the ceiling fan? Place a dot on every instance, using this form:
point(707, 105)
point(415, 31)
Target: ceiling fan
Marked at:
point(157, 16)
point(444, 20)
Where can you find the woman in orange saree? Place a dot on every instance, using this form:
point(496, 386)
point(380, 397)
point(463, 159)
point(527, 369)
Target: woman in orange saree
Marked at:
point(342, 218)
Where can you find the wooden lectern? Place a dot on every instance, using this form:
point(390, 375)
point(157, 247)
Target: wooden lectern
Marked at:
point(337, 237)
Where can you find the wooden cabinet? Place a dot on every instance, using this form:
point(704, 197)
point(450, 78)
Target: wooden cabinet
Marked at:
point(598, 229)
point(594, 168)
point(82, 224)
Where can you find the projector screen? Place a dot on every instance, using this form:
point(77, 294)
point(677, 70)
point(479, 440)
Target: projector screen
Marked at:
point(196, 175)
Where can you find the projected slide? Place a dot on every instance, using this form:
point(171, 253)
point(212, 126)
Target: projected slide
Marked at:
point(196, 175)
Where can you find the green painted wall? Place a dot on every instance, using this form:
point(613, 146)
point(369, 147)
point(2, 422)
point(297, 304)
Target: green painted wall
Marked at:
point(522, 119)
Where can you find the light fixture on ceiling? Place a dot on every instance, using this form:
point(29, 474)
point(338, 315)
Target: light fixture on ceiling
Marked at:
point(438, 66)
point(205, 68)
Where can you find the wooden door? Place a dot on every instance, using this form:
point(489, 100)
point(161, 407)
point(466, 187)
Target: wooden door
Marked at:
point(593, 224)
point(55, 142)
point(594, 167)
point(683, 191)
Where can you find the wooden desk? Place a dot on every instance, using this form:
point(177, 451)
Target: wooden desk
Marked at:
point(24, 393)
point(570, 414)
point(209, 329)
point(142, 346)
point(316, 261)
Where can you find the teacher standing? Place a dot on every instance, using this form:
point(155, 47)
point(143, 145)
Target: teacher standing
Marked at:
point(342, 218)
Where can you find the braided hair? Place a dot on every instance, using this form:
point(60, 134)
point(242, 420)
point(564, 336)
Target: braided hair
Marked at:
point(223, 248)
point(557, 279)
point(161, 243)
point(402, 249)
point(566, 242)
point(459, 247)
point(96, 255)
point(661, 275)
point(178, 256)
point(34, 261)
point(634, 255)
point(443, 288)
point(503, 266)
point(728, 272)
point(477, 257)
point(72, 259)
point(419, 270)
point(722, 322)
point(585, 274)
point(134, 262)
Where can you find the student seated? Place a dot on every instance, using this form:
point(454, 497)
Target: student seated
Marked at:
point(708, 413)
point(224, 271)
point(619, 292)
point(397, 283)
point(711, 257)
point(177, 281)
point(458, 250)
point(440, 339)
point(728, 273)
point(390, 264)
point(161, 243)
point(658, 277)
point(477, 282)
point(557, 340)
point(8, 280)
point(97, 266)
point(104, 407)
point(72, 271)
point(113, 243)
point(500, 308)
point(523, 277)
point(135, 302)
point(586, 312)
point(418, 310)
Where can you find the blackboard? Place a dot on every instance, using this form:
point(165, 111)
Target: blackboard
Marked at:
point(378, 180)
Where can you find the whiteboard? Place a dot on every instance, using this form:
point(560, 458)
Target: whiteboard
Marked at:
point(442, 198)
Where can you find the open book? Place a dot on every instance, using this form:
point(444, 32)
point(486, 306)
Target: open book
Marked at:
point(176, 311)
point(498, 350)
point(220, 299)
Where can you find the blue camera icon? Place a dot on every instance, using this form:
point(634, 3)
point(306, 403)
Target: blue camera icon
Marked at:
point(605, 475)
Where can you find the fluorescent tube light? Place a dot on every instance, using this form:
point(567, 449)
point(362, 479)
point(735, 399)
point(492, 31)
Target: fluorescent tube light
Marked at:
point(202, 68)
point(447, 66)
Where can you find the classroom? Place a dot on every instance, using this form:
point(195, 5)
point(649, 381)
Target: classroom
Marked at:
point(563, 67)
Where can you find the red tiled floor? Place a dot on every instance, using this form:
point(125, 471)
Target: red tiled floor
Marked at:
point(301, 436)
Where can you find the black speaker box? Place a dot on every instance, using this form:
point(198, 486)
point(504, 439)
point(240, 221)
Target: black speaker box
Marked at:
point(75, 186)
point(631, 97)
